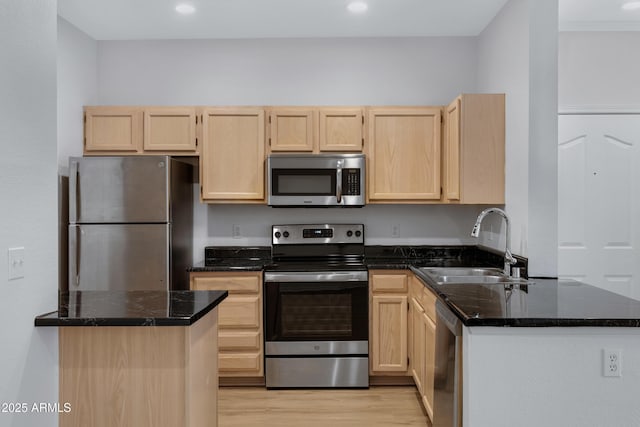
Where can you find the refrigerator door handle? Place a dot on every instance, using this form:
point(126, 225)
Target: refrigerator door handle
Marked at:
point(74, 260)
point(74, 190)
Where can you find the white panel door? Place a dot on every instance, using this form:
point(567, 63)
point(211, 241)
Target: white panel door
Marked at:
point(599, 201)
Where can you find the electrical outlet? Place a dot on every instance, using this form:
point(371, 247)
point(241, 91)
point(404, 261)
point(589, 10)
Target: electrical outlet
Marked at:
point(395, 230)
point(611, 362)
point(235, 231)
point(16, 263)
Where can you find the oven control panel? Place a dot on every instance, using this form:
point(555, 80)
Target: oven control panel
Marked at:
point(317, 234)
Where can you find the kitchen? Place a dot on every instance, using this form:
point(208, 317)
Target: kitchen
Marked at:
point(439, 221)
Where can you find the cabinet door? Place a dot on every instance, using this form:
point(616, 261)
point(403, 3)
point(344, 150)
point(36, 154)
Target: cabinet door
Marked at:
point(417, 337)
point(389, 334)
point(452, 151)
point(232, 157)
point(341, 129)
point(474, 149)
point(429, 363)
point(404, 154)
point(291, 130)
point(112, 129)
point(170, 129)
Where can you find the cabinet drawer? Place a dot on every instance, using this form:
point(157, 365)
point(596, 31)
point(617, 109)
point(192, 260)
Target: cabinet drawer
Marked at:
point(396, 283)
point(415, 287)
point(240, 363)
point(234, 284)
point(428, 301)
point(240, 312)
point(239, 340)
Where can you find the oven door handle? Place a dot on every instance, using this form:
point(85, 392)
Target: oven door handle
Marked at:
point(339, 185)
point(347, 276)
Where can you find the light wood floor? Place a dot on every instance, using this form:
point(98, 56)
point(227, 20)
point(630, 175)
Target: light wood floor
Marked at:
point(376, 407)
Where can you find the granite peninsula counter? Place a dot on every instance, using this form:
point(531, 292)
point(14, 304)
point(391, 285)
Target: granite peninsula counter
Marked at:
point(535, 354)
point(138, 358)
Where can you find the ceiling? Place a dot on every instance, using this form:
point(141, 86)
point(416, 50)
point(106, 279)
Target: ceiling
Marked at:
point(157, 19)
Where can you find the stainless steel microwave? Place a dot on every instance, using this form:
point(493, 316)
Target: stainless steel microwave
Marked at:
point(316, 180)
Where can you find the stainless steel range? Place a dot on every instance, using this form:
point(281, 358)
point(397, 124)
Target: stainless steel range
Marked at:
point(316, 307)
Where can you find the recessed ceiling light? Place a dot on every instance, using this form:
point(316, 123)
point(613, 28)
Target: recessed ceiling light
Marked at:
point(357, 7)
point(631, 5)
point(185, 9)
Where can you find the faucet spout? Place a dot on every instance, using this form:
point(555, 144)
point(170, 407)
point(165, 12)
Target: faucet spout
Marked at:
point(509, 260)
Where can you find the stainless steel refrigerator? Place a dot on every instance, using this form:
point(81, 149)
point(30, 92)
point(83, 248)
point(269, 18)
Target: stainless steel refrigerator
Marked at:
point(130, 223)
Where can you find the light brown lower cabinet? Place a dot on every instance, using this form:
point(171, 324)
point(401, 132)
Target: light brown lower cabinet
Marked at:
point(388, 331)
point(240, 321)
point(422, 343)
point(143, 376)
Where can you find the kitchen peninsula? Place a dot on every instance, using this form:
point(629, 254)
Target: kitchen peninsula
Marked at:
point(143, 358)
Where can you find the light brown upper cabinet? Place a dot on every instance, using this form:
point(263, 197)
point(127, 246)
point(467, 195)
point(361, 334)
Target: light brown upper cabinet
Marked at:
point(232, 155)
point(474, 149)
point(170, 129)
point(403, 151)
point(315, 129)
point(140, 130)
point(112, 129)
point(341, 129)
point(291, 129)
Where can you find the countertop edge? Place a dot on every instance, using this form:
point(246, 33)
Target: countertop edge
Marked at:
point(41, 321)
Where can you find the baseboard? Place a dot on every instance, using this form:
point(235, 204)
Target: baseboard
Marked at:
point(390, 380)
point(241, 381)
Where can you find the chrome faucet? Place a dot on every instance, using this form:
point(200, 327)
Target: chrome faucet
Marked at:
point(509, 260)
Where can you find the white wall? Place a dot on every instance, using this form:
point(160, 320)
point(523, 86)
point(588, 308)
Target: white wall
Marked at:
point(503, 67)
point(517, 54)
point(549, 377)
point(29, 355)
point(599, 70)
point(386, 71)
point(77, 86)
point(418, 224)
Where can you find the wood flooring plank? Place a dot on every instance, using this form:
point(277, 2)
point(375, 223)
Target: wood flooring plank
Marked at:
point(376, 407)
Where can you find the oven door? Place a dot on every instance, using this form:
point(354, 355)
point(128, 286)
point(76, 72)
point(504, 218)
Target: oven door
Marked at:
point(316, 307)
point(316, 329)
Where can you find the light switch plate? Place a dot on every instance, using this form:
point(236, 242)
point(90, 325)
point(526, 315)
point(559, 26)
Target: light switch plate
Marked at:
point(16, 263)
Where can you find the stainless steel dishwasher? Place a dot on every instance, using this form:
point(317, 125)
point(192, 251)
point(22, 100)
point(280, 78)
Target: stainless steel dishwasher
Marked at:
point(447, 387)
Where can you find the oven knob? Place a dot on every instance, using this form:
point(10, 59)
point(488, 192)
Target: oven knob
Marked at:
point(285, 234)
point(349, 233)
point(278, 234)
point(358, 233)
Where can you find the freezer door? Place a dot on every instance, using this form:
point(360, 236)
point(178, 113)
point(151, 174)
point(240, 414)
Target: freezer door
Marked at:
point(118, 189)
point(119, 257)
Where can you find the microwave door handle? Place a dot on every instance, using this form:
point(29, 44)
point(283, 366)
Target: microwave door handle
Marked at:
point(339, 185)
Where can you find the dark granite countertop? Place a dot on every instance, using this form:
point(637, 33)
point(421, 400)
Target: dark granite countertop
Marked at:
point(544, 303)
point(131, 308)
point(231, 265)
point(234, 258)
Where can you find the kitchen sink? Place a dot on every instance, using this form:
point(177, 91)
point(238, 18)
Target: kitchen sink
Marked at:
point(484, 276)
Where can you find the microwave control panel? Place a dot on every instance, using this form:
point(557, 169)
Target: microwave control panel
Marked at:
point(351, 182)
